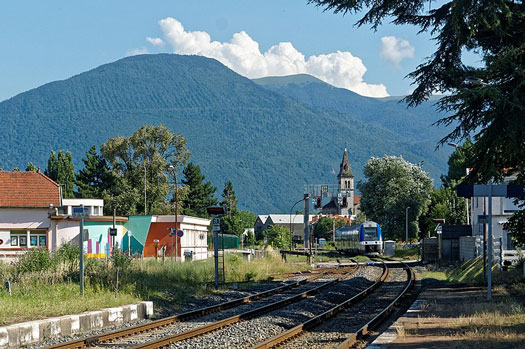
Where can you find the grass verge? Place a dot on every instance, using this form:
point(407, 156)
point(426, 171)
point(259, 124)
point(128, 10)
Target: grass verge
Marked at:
point(53, 290)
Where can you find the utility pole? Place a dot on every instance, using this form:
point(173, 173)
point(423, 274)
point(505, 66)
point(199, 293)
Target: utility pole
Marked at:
point(114, 226)
point(145, 207)
point(406, 223)
point(82, 251)
point(172, 168)
point(489, 293)
point(306, 221)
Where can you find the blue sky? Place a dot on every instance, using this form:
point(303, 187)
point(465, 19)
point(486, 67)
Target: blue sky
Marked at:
point(44, 41)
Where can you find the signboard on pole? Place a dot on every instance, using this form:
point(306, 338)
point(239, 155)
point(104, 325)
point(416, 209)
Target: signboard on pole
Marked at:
point(500, 190)
point(80, 212)
point(180, 233)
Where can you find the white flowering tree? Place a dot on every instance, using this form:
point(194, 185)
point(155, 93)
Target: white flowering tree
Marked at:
point(392, 185)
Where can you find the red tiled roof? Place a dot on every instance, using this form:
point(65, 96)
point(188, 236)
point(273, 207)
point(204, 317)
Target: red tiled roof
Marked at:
point(357, 199)
point(28, 189)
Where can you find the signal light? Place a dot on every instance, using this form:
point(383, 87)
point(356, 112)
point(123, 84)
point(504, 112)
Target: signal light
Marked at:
point(318, 202)
point(345, 202)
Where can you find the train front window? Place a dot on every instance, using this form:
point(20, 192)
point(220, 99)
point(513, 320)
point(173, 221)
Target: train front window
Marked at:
point(370, 233)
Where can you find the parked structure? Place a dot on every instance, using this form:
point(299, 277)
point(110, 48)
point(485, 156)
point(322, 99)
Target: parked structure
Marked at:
point(450, 237)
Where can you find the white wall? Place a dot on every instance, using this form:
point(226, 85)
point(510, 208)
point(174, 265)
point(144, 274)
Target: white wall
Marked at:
point(22, 219)
point(501, 211)
point(194, 228)
point(89, 203)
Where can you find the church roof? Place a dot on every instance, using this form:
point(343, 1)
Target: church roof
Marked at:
point(331, 205)
point(345, 168)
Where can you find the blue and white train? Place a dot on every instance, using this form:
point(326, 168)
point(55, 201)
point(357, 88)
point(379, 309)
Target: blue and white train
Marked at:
point(365, 238)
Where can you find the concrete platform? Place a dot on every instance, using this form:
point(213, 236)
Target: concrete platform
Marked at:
point(25, 333)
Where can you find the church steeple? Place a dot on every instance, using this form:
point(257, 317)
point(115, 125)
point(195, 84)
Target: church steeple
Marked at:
point(345, 168)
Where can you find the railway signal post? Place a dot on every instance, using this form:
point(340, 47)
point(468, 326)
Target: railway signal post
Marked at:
point(215, 211)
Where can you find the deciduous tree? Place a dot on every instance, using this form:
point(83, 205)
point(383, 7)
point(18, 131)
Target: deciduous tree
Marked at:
point(324, 227)
point(143, 161)
point(278, 236)
point(392, 185)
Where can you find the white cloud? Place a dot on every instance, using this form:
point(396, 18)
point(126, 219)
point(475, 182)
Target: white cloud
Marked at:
point(137, 51)
point(243, 55)
point(395, 50)
point(155, 41)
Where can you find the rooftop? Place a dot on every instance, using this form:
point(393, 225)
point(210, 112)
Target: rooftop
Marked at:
point(28, 189)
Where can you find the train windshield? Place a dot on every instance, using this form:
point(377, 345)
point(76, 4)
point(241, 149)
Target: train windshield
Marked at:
point(370, 233)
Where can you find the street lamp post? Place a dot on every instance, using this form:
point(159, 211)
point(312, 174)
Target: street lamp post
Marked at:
point(406, 223)
point(176, 209)
point(145, 207)
point(291, 232)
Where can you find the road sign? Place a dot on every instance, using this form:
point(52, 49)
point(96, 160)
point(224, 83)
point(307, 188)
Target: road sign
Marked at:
point(216, 227)
point(324, 189)
point(216, 221)
point(483, 218)
point(499, 190)
point(81, 212)
point(180, 233)
point(113, 231)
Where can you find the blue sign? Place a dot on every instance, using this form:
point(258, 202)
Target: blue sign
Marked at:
point(180, 233)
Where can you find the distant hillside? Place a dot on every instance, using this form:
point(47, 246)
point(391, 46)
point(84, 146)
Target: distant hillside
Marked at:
point(413, 123)
point(268, 142)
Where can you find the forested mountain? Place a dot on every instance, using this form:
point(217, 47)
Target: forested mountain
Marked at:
point(267, 141)
point(415, 124)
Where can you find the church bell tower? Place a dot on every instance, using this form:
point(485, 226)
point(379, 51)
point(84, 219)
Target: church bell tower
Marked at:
point(346, 187)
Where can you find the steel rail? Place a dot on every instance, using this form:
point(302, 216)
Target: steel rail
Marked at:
point(159, 343)
point(313, 322)
point(102, 338)
point(372, 324)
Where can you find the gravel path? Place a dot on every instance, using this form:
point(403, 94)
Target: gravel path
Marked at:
point(180, 327)
point(248, 333)
point(218, 297)
point(337, 329)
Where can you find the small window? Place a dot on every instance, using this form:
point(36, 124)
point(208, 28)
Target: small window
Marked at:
point(96, 210)
point(14, 240)
point(34, 240)
point(23, 241)
point(42, 241)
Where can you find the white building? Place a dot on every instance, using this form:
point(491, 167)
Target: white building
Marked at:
point(27, 201)
point(95, 206)
point(502, 209)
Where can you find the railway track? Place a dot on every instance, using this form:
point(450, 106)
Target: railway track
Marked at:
point(227, 312)
point(350, 321)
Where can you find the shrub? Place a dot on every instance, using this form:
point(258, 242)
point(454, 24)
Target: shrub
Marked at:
point(97, 274)
point(69, 255)
point(36, 259)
